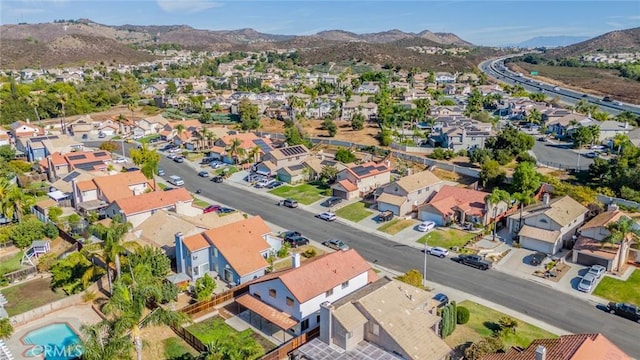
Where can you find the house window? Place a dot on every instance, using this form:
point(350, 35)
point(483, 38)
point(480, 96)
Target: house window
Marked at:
point(289, 301)
point(272, 293)
point(304, 325)
point(215, 252)
point(329, 293)
point(419, 191)
point(345, 284)
point(376, 329)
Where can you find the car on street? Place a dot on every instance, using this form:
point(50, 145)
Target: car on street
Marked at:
point(225, 210)
point(211, 208)
point(537, 258)
point(591, 154)
point(336, 244)
point(326, 216)
point(331, 201)
point(160, 172)
point(475, 261)
point(120, 160)
point(203, 174)
point(217, 179)
point(441, 300)
point(607, 99)
point(438, 251)
point(426, 226)
point(597, 271)
point(587, 283)
point(629, 311)
point(172, 156)
point(85, 136)
point(102, 135)
point(619, 103)
point(290, 203)
point(178, 159)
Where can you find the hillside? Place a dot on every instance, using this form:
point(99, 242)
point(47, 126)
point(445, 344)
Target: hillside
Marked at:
point(550, 41)
point(620, 40)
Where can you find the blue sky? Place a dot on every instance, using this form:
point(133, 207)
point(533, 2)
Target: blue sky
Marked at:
point(480, 22)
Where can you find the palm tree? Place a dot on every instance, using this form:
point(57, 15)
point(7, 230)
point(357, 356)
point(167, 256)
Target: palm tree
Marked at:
point(6, 329)
point(534, 117)
point(524, 199)
point(132, 106)
point(236, 150)
point(34, 102)
point(113, 246)
point(180, 129)
point(101, 342)
point(623, 231)
point(496, 197)
point(253, 153)
point(13, 202)
point(62, 99)
point(620, 141)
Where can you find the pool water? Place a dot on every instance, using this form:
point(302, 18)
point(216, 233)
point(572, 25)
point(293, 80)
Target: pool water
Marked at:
point(53, 342)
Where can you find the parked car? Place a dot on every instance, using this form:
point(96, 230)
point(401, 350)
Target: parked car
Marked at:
point(274, 185)
point(168, 188)
point(537, 258)
point(426, 226)
point(120, 160)
point(336, 244)
point(331, 202)
point(102, 135)
point(288, 233)
point(475, 261)
point(628, 311)
point(326, 216)
point(178, 159)
point(438, 251)
point(203, 174)
point(226, 210)
point(591, 155)
point(160, 172)
point(441, 299)
point(85, 136)
point(597, 271)
point(216, 164)
point(587, 283)
point(211, 208)
point(290, 203)
point(172, 156)
point(264, 183)
point(384, 216)
point(297, 240)
point(217, 179)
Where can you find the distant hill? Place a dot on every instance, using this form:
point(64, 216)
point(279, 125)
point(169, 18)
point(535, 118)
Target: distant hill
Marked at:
point(619, 40)
point(88, 41)
point(549, 41)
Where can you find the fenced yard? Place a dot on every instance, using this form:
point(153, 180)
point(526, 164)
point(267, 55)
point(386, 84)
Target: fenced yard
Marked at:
point(30, 295)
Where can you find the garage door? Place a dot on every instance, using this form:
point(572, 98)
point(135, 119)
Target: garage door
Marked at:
point(536, 245)
point(339, 193)
point(395, 209)
point(586, 259)
point(429, 216)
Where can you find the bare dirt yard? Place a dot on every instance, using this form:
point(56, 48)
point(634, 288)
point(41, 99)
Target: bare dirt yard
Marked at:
point(313, 128)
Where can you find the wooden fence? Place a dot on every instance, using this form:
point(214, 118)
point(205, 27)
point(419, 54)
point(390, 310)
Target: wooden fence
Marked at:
point(189, 338)
point(203, 307)
point(285, 349)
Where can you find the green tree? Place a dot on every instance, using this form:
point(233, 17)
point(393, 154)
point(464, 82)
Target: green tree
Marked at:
point(235, 150)
point(330, 126)
point(204, 287)
point(524, 199)
point(534, 116)
point(508, 324)
point(147, 158)
point(6, 329)
point(27, 231)
point(109, 146)
point(113, 246)
point(483, 347)
point(412, 277)
point(54, 213)
point(249, 117)
point(101, 341)
point(345, 155)
point(462, 315)
point(492, 174)
point(357, 121)
point(7, 153)
point(328, 173)
point(525, 178)
point(69, 273)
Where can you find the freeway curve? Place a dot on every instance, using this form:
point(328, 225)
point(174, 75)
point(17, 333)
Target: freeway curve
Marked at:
point(553, 307)
point(495, 69)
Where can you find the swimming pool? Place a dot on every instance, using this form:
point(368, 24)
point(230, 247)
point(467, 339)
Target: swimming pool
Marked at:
point(55, 341)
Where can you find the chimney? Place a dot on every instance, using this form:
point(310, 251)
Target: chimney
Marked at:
point(545, 198)
point(541, 353)
point(295, 260)
point(178, 239)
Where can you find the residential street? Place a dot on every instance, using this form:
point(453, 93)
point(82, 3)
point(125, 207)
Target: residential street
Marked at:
point(560, 155)
point(535, 300)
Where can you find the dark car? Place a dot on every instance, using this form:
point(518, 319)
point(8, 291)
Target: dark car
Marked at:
point(385, 216)
point(203, 174)
point(211, 208)
point(297, 240)
point(537, 258)
point(290, 203)
point(288, 233)
point(441, 300)
point(226, 210)
point(217, 179)
point(584, 95)
point(629, 311)
point(331, 202)
point(168, 188)
point(606, 99)
point(274, 185)
point(475, 261)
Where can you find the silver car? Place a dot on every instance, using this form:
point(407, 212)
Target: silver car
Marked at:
point(597, 271)
point(587, 283)
point(439, 251)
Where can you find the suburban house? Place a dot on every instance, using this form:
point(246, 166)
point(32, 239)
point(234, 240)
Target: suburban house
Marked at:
point(459, 205)
point(368, 87)
point(58, 165)
point(291, 299)
point(404, 195)
point(608, 129)
point(459, 133)
point(560, 125)
point(82, 126)
point(38, 148)
point(566, 347)
point(549, 226)
point(589, 248)
point(21, 129)
point(445, 78)
point(97, 193)
point(149, 126)
point(236, 252)
point(387, 317)
point(316, 164)
point(137, 208)
point(360, 180)
point(368, 109)
point(4, 138)
point(248, 142)
point(443, 110)
point(287, 156)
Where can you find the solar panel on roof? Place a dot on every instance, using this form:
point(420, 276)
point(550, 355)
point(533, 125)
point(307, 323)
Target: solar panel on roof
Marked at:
point(70, 176)
point(296, 167)
point(100, 153)
point(262, 145)
point(77, 157)
point(381, 168)
point(359, 170)
point(90, 165)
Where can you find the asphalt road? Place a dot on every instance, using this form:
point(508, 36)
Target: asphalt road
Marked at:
point(560, 156)
point(553, 307)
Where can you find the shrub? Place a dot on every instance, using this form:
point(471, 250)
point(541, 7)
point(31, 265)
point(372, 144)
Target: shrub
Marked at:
point(204, 287)
point(412, 277)
point(51, 231)
point(463, 315)
point(46, 261)
point(309, 253)
point(284, 250)
point(89, 296)
point(483, 347)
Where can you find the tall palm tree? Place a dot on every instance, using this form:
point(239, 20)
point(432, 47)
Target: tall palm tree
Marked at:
point(236, 150)
point(113, 246)
point(62, 99)
point(624, 232)
point(253, 153)
point(493, 199)
point(132, 106)
point(34, 102)
point(13, 202)
point(101, 342)
point(524, 199)
point(180, 129)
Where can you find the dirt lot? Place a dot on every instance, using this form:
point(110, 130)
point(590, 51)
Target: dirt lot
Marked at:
point(598, 82)
point(104, 115)
point(153, 342)
point(313, 128)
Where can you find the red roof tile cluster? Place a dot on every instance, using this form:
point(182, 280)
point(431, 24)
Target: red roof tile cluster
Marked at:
point(116, 186)
point(153, 200)
point(470, 201)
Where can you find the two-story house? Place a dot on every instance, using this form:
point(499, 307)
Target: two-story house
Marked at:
point(235, 252)
point(291, 299)
point(453, 204)
point(248, 141)
point(445, 78)
point(82, 126)
point(97, 193)
point(22, 129)
point(360, 180)
point(403, 195)
point(459, 132)
point(284, 161)
point(58, 165)
point(137, 208)
point(38, 148)
point(549, 226)
point(368, 87)
point(591, 247)
point(388, 318)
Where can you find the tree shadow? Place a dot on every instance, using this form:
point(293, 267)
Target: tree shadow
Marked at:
point(494, 327)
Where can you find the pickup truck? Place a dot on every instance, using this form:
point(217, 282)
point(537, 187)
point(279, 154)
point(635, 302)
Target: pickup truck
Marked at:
point(474, 261)
point(629, 311)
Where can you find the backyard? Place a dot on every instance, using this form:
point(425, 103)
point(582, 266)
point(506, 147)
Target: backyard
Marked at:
point(620, 291)
point(484, 321)
point(354, 212)
point(216, 331)
point(29, 295)
point(10, 263)
point(446, 238)
point(396, 225)
point(304, 194)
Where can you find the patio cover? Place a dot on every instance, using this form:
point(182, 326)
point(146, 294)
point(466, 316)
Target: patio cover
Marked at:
point(276, 317)
point(58, 195)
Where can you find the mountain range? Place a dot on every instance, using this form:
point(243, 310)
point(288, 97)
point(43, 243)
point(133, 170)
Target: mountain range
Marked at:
point(549, 41)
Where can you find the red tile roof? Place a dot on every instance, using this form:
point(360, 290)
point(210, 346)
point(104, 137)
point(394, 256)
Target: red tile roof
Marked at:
point(116, 186)
point(246, 138)
point(196, 242)
point(348, 185)
point(470, 201)
point(153, 200)
point(603, 219)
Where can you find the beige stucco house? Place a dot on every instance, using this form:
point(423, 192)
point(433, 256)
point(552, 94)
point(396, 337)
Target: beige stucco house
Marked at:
point(404, 194)
point(359, 180)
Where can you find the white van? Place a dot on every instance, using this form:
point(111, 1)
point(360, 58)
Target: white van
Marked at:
point(176, 180)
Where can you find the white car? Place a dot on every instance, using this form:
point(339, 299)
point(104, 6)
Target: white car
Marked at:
point(120, 160)
point(426, 226)
point(597, 271)
point(587, 283)
point(439, 252)
point(326, 216)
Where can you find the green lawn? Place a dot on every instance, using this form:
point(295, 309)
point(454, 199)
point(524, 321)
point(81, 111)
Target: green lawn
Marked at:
point(162, 186)
point(148, 138)
point(304, 194)
point(396, 225)
point(11, 264)
point(484, 320)
point(446, 238)
point(176, 348)
point(620, 291)
point(215, 330)
point(227, 170)
point(200, 203)
point(194, 156)
point(29, 295)
point(354, 212)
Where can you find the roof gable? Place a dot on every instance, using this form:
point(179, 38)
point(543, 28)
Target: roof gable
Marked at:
point(152, 200)
point(417, 181)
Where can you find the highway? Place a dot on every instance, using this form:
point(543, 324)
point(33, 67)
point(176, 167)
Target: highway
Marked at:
point(553, 307)
point(496, 69)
